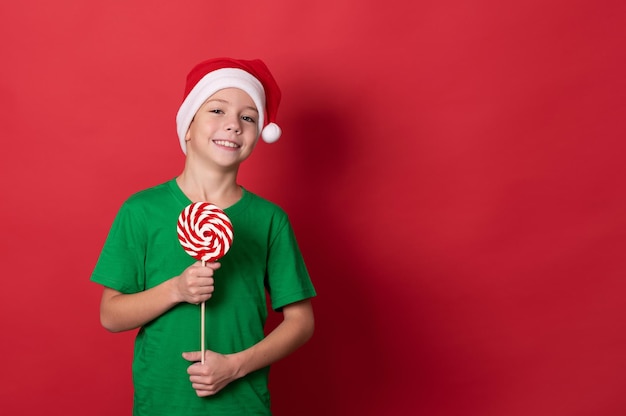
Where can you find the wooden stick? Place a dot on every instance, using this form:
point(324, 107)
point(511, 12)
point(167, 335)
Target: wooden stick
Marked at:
point(202, 314)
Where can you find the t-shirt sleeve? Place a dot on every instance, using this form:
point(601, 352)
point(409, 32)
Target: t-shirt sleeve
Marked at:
point(120, 265)
point(288, 278)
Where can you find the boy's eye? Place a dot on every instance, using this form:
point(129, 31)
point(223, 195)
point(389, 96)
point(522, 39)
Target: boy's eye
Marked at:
point(216, 111)
point(248, 119)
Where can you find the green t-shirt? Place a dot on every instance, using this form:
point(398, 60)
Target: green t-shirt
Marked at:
point(142, 250)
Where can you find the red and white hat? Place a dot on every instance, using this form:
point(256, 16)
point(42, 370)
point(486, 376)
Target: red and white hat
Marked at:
point(252, 76)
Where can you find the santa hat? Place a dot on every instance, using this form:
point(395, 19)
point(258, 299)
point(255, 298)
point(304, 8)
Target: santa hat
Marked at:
point(253, 77)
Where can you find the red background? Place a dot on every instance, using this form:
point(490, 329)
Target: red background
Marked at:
point(454, 172)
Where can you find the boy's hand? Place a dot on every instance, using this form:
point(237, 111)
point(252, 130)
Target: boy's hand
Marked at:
point(209, 378)
point(195, 284)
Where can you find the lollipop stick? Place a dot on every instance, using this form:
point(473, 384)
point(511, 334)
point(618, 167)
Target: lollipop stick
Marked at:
point(202, 314)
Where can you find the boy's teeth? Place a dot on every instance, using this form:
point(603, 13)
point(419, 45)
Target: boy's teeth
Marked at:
point(225, 143)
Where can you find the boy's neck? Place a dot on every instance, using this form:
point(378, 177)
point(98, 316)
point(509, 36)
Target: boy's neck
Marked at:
point(221, 190)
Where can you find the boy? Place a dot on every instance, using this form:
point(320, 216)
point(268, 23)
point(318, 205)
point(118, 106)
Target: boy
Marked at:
point(150, 283)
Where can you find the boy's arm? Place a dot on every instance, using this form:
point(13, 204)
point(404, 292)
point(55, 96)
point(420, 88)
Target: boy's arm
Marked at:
point(296, 329)
point(122, 312)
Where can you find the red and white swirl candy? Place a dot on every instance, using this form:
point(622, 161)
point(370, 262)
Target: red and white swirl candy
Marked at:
point(205, 231)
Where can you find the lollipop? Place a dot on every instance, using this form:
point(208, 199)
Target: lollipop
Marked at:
point(206, 234)
point(204, 231)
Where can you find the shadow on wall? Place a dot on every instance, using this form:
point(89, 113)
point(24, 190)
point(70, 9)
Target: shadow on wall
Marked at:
point(345, 347)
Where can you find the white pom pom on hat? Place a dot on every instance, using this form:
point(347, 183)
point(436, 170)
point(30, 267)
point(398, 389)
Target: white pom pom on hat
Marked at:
point(271, 132)
point(251, 76)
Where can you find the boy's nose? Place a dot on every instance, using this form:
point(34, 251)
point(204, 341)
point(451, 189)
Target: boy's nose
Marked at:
point(233, 124)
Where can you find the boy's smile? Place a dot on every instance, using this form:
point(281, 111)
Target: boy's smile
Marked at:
point(226, 143)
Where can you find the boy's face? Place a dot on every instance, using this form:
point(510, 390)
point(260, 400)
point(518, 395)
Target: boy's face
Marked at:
point(224, 130)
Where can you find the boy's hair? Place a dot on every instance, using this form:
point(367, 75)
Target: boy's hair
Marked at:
point(251, 76)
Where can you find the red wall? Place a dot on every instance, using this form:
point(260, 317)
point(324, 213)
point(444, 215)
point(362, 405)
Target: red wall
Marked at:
point(454, 171)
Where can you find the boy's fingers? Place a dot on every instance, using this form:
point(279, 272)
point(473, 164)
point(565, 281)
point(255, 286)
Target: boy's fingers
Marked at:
point(193, 356)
